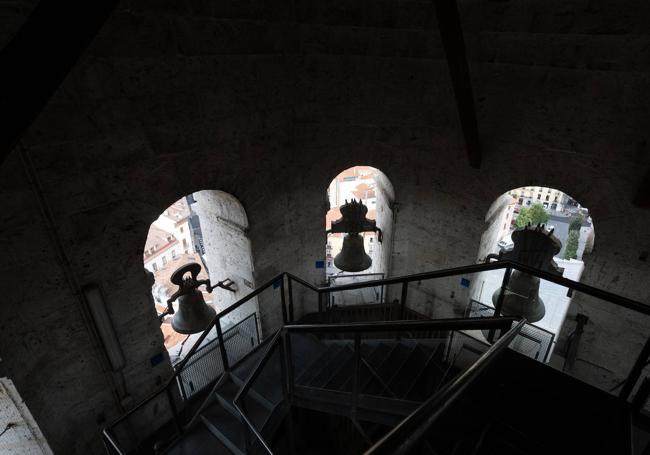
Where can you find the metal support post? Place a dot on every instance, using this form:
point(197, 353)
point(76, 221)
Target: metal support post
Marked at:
point(405, 289)
point(499, 304)
point(285, 390)
point(284, 302)
point(222, 347)
point(355, 377)
point(289, 366)
point(290, 288)
point(170, 397)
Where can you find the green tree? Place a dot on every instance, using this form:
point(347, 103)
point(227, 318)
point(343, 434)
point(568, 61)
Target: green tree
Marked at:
point(571, 250)
point(576, 223)
point(535, 214)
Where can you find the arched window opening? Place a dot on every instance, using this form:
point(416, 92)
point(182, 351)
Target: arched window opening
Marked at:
point(372, 188)
point(571, 224)
point(209, 228)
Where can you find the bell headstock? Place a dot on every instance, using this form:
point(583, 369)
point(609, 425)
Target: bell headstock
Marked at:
point(178, 277)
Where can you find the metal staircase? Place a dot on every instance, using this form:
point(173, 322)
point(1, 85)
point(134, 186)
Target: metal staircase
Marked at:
point(393, 385)
point(374, 380)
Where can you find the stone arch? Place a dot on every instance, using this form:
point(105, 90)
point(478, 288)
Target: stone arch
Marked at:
point(562, 210)
point(370, 185)
point(209, 227)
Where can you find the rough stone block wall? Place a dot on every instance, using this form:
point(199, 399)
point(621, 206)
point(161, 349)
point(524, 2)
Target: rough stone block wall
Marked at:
point(268, 101)
point(224, 226)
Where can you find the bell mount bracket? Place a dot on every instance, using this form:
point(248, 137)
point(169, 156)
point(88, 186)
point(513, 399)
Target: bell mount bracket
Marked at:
point(353, 220)
point(188, 284)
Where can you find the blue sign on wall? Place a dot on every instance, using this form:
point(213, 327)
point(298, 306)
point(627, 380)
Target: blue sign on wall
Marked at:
point(464, 282)
point(320, 264)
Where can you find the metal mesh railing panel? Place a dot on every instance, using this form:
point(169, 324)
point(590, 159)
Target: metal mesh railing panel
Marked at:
point(532, 341)
point(242, 339)
point(206, 365)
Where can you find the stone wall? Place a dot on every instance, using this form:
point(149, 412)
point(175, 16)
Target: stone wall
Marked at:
point(384, 205)
point(267, 101)
point(224, 226)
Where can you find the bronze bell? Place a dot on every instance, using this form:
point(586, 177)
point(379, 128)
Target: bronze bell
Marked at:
point(193, 315)
point(536, 247)
point(353, 257)
point(521, 297)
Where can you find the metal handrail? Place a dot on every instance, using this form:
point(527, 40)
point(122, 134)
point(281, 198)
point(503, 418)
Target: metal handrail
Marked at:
point(411, 430)
point(303, 282)
point(417, 277)
point(440, 324)
point(112, 443)
point(209, 347)
point(248, 384)
point(501, 264)
point(509, 265)
point(179, 367)
point(217, 319)
point(437, 324)
point(404, 280)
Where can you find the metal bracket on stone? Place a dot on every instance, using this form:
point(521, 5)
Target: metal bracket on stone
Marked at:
point(227, 284)
point(573, 341)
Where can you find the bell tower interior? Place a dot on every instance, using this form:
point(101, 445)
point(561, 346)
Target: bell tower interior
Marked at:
point(117, 109)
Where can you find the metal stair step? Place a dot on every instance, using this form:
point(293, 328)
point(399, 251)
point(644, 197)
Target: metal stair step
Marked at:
point(255, 407)
point(247, 365)
point(253, 392)
point(225, 427)
point(198, 440)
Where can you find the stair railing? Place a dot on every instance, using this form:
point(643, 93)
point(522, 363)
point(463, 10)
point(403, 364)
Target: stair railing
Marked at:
point(508, 328)
point(632, 379)
point(274, 344)
point(410, 431)
point(288, 317)
point(641, 362)
point(484, 267)
point(171, 387)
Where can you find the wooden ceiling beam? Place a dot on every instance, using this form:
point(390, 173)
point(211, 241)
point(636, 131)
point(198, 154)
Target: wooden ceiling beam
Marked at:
point(451, 33)
point(39, 57)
